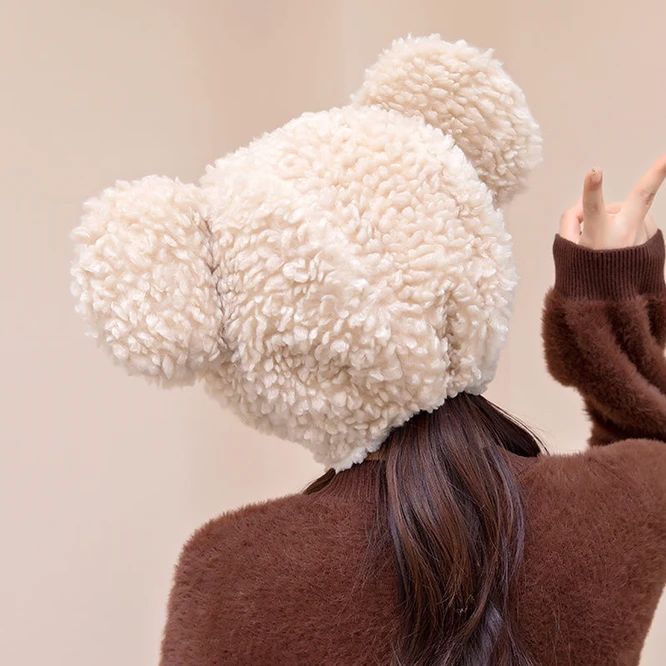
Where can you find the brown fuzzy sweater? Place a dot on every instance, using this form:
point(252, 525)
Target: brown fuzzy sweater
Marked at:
point(282, 583)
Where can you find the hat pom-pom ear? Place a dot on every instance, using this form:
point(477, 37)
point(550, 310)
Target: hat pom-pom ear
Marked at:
point(465, 93)
point(144, 278)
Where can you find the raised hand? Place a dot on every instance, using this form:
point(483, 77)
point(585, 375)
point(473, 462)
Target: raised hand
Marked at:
point(592, 223)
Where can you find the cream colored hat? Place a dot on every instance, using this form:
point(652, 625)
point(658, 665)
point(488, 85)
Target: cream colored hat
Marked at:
point(337, 275)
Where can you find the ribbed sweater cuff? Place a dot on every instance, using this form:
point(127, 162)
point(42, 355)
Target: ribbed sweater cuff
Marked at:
point(585, 274)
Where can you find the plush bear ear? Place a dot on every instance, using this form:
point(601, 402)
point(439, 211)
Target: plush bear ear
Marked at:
point(144, 278)
point(465, 93)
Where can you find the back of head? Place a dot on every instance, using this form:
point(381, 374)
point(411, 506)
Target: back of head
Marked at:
point(337, 275)
point(331, 280)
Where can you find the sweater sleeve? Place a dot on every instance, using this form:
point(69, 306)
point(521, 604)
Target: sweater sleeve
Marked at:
point(604, 331)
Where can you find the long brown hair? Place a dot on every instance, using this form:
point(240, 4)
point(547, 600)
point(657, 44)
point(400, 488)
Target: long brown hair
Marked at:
point(450, 505)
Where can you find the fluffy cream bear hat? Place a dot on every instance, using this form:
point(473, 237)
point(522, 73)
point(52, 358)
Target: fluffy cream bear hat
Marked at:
point(337, 275)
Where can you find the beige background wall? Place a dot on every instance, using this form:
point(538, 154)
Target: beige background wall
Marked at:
point(104, 477)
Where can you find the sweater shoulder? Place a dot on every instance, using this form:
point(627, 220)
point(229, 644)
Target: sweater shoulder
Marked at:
point(256, 585)
point(640, 463)
point(275, 537)
point(254, 522)
point(608, 497)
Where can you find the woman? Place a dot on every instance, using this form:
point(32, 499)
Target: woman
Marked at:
point(346, 282)
point(483, 549)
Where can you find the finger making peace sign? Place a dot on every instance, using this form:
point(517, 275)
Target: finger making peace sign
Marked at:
point(599, 226)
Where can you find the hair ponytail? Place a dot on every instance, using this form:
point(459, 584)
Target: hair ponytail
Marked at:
point(452, 510)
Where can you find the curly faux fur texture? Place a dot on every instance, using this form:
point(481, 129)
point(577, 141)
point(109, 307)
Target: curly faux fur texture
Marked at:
point(340, 273)
point(144, 280)
point(465, 93)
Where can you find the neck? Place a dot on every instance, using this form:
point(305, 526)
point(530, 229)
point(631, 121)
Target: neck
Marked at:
point(375, 455)
point(359, 482)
